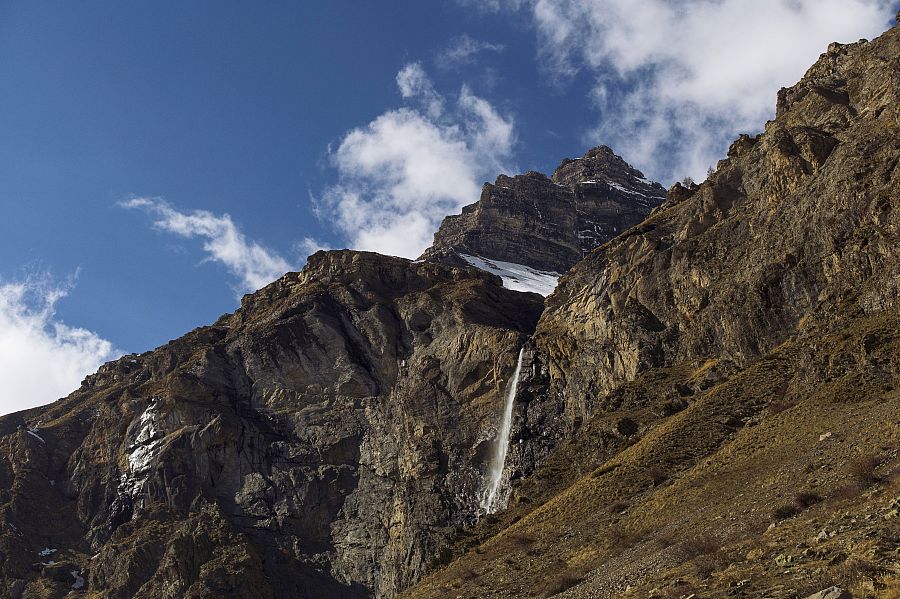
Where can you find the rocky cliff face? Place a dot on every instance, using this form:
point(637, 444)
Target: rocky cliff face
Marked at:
point(322, 441)
point(722, 367)
point(730, 353)
point(546, 223)
point(795, 225)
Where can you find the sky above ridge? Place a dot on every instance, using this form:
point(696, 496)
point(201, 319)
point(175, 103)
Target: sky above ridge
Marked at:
point(158, 160)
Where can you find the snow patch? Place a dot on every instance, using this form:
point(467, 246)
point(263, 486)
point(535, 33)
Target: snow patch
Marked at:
point(621, 188)
point(145, 438)
point(46, 551)
point(517, 277)
point(34, 433)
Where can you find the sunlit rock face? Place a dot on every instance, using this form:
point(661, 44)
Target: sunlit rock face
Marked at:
point(796, 225)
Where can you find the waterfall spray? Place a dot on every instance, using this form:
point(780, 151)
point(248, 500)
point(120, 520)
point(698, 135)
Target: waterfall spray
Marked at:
point(491, 502)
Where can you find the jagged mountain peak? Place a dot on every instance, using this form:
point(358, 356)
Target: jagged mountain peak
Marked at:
point(599, 160)
point(543, 225)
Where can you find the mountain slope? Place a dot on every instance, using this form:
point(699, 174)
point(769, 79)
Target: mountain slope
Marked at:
point(723, 364)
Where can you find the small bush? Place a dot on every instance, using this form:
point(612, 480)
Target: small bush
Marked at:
point(844, 492)
point(520, 540)
point(780, 405)
point(468, 574)
point(667, 539)
point(706, 564)
point(673, 406)
point(788, 510)
point(702, 545)
point(620, 537)
point(657, 475)
point(807, 498)
point(618, 507)
point(559, 583)
point(862, 470)
point(855, 570)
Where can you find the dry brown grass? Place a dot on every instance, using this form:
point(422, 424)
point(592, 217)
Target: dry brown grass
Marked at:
point(618, 507)
point(891, 588)
point(762, 460)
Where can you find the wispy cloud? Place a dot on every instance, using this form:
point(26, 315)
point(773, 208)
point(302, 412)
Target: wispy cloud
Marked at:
point(463, 50)
point(402, 173)
point(253, 265)
point(309, 246)
point(414, 84)
point(676, 81)
point(42, 358)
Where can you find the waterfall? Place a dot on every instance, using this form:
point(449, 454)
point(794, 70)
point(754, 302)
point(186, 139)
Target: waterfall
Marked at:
point(491, 502)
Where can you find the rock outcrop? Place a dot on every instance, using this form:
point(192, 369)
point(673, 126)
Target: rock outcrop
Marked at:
point(322, 441)
point(545, 223)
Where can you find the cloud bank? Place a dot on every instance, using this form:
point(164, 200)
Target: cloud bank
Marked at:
point(253, 265)
point(675, 81)
point(42, 358)
point(402, 173)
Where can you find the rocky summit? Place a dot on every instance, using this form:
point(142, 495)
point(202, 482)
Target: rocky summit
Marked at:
point(706, 406)
point(546, 223)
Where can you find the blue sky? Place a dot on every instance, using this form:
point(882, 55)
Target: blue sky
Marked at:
point(328, 124)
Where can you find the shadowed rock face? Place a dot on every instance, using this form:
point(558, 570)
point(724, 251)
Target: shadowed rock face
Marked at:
point(322, 441)
point(549, 224)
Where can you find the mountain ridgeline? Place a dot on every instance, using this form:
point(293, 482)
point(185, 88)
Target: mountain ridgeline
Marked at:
point(707, 403)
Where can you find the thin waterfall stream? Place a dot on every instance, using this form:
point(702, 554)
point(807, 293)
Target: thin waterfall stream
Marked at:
point(493, 499)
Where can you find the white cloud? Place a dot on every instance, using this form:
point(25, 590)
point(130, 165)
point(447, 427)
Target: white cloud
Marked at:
point(462, 50)
point(42, 358)
point(253, 265)
point(415, 84)
point(676, 81)
point(402, 173)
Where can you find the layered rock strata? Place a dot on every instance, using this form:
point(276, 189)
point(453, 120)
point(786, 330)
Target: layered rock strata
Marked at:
point(549, 223)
